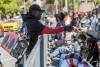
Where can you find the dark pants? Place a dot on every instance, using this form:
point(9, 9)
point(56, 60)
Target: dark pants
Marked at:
point(32, 43)
point(93, 53)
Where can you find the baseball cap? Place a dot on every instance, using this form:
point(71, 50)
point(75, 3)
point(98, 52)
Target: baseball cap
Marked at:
point(35, 7)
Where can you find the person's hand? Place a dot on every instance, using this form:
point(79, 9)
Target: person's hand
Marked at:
point(75, 29)
point(68, 28)
point(82, 29)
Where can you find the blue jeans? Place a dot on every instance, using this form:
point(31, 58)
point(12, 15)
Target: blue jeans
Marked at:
point(72, 38)
point(79, 34)
point(75, 47)
point(57, 51)
point(62, 62)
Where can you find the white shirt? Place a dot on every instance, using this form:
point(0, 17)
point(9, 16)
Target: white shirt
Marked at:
point(93, 23)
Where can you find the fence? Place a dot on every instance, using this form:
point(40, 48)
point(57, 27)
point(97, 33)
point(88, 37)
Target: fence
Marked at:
point(38, 56)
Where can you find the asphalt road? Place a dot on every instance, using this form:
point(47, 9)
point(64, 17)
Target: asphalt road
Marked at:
point(6, 58)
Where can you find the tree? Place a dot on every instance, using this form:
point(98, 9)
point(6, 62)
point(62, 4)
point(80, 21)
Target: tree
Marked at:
point(10, 6)
point(14, 8)
point(50, 1)
point(96, 1)
point(70, 2)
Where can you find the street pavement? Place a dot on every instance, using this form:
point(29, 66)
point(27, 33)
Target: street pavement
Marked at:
point(6, 58)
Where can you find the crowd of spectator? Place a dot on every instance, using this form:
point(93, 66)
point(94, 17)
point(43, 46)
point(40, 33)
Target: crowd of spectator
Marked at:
point(78, 48)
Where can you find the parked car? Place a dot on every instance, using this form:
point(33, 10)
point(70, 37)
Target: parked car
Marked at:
point(11, 25)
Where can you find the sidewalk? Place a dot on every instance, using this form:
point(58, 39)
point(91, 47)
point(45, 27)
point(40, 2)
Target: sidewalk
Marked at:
point(6, 59)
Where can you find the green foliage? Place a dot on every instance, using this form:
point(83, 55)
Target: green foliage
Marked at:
point(50, 1)
point(78, 2)
point(97, 1)
point(14, 8)
point(70, 2)
point(10, 6)
point(28, 4)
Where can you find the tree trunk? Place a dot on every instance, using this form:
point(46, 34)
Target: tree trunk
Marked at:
point(74, 6)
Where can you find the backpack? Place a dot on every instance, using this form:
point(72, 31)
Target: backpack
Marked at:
point(98, 26)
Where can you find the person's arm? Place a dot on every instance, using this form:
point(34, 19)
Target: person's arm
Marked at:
point(94, 34)
point(58, 30)
point(52, 31)
point(42, 29)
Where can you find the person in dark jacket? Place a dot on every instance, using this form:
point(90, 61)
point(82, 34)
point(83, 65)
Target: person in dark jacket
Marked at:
point(35, 27)
point(94, 45)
